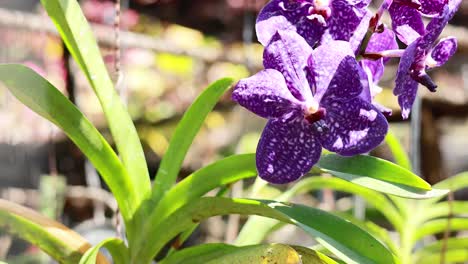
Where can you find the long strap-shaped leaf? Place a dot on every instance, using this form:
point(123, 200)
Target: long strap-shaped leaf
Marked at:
point(269, 253)
point(61, 243)
point(220, 173)
point(256, 228)
point(428, 252)
point(77, 35)
point(43, 98)
point(398, 152)
point(115, 246)
point(378, 174)
point(439, 225)
point(183, 136)
point(344, 239)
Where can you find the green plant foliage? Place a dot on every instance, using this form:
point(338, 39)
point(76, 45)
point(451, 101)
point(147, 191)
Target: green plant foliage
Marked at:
point(345, 240)
point(222, 253)
point(116, 247)
point(256, 228)
point(379, 175)
point(43, 98)
point(399, 153)
point(183, 136)
point(63, 244)
point(78, 37)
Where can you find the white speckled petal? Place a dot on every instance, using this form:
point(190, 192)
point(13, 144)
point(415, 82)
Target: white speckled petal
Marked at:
point(354, 127)
point(335, 71)
point(266, 95)
point(443, 51)
point(405, 86)
point(287, 53)
point(287, 15)
point(406, 22)
point(287, 151)
point(347, 22)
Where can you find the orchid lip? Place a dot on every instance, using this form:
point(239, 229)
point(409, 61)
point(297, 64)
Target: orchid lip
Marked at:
point(424, 79)
point(315, 116)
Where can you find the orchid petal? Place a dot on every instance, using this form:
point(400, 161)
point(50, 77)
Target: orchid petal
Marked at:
point(266, 95)
point(406, 22)
point(335, 71)
point(437, 24)
point(432, 7)
point(406, 87)
point(287, 53)
point(286, 15)
point(347, 23)
point(286, 151)
point(354, 127)
point(442, 52)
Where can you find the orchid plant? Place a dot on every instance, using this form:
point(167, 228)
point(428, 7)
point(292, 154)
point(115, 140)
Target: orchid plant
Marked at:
point(323, 61)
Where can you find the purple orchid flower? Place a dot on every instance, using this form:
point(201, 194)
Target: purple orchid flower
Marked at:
point(315, 20)
point(379, 44)
point(309, 103)
point(423, 55)
point(407, 17)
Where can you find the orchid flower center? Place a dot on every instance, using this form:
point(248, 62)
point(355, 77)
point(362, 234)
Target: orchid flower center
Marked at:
point(319, 10)
point(314, 114)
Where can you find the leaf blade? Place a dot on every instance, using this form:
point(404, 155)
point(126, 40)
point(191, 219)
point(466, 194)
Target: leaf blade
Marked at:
point(339, 236)
point(219, 173)
point(115, 246)
point(398, 152)
point(183, 136)
point(78, 37)
point(43, 98)
point(374, 168)
point(256, 228)
point(379, 175)
point(61, 243)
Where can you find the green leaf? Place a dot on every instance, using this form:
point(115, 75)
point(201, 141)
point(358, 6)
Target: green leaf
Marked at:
point(116, 248)
point(450, 256)
point(184, 134)
point(61, 243)
point(44, 99)
point(453, 183)
point(398, 152)
point(256, 228)
point(261, 253)
point(309, 256)
point(199, 254)
point(78, 37)
point(341, 237)
point(222, 191)
point(220, 173)
point(222, 253)
point(445, 209)
point(379, 175)
point(435, 248)
point(438, 226)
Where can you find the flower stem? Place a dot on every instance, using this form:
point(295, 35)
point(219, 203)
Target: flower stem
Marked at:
point(374, 26)
point(383, 54)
